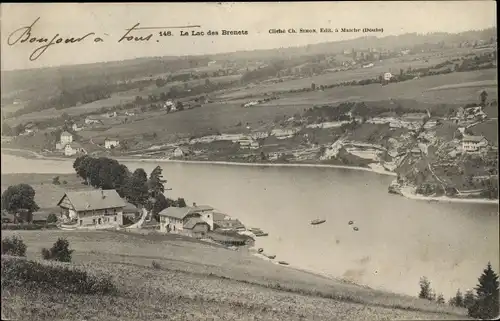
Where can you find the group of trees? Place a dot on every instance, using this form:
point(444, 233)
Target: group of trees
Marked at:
point(483, 304)
point(19, 200)
point(136, 187)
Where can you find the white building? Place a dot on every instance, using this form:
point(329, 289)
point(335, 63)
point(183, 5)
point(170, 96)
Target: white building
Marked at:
point(284, 133)
point(73, 149)
point(177, 219)
point(76, 128)
point(472, 144)
point(91, 120)
point(180, 152)
point(66, 138)
point(111, 143)
point(387, 76)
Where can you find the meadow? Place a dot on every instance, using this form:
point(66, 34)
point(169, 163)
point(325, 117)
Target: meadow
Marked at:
point(196, 281)
point(47, 194)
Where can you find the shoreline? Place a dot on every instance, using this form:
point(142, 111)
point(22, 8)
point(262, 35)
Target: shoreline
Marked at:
point(374, 168)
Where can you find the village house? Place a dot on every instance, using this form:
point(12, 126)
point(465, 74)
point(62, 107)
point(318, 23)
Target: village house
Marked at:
point(474, 144)
point(76, 128)
point(193, 221)
point(284, 133)
point(181, 152)
point(96, 208)
point(73, 148)
point(387, 76)
point(110, 143)
point(92, 120)
point(259, 135)
point(64, 139)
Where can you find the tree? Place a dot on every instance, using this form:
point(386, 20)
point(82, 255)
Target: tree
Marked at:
point(457, 300)
point(56, 181)
point(181, 202)
point(59, 252)
point(440, 299)
point(313, 86)
point(425, 288)
point(179, 105)
point(52, 218)
point(469, 299)
point(486, 306)
point(20, 198)
point(14, 246)
point(483, 97)
point(156, 181)
point(136, 189)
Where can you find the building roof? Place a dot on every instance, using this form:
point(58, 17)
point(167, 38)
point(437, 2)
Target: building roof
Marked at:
point(94, 200)
point(130, 208)
point(231, 223)
point(219, 216)
point(175, 212)
point(191, 223)
point(65, 133)
point(111, 139)
point(181, 212)
point(475, 139)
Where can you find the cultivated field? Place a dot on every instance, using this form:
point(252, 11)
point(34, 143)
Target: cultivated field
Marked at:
point(194, 281)
point(46, 194)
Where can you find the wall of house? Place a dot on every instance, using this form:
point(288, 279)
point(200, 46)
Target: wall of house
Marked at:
point(66, 139)
point(91, 218)
point(176, 225)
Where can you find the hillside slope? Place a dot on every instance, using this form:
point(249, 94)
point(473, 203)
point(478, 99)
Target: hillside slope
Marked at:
point(195, 281)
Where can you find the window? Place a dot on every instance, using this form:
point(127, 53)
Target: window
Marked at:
point(115, 218)
point(93, 221)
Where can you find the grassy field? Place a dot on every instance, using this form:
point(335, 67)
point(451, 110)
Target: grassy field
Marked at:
point(46, 194)
point(488, 129)
point(115, 99)
point(194, 281)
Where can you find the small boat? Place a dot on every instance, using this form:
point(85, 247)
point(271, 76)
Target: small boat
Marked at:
point(271, 257)
point(317, 221)
point(261, 234)
point(283, 263)
point(355, 228)
point(351, 222)
point(260, 250)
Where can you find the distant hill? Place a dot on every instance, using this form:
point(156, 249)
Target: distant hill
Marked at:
point(63, 76)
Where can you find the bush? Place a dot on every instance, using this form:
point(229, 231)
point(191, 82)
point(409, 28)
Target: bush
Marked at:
point(52, 218)
point(56, 181)
point(20, 272)
point(59, 252)
point(14, 246)
point(156, 265)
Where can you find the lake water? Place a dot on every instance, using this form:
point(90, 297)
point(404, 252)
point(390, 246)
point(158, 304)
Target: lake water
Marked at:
point(398, 241)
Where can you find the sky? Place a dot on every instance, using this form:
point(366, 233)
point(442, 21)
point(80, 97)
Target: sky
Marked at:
point(110, 21)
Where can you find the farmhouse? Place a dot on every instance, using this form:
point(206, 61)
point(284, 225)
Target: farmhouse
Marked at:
point(73, 149)
point(387, 76)
point(66, 138)
point(92, 208)
point(92, 120)
point(284, 133)
point(110, 143)
point(180, 152)
point(76, 128)
point(473, 144)
point(180, 219)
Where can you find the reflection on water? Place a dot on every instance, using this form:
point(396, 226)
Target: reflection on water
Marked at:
point(398, 240)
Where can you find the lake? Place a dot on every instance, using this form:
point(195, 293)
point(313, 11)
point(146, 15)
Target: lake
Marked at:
point(398, 241)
